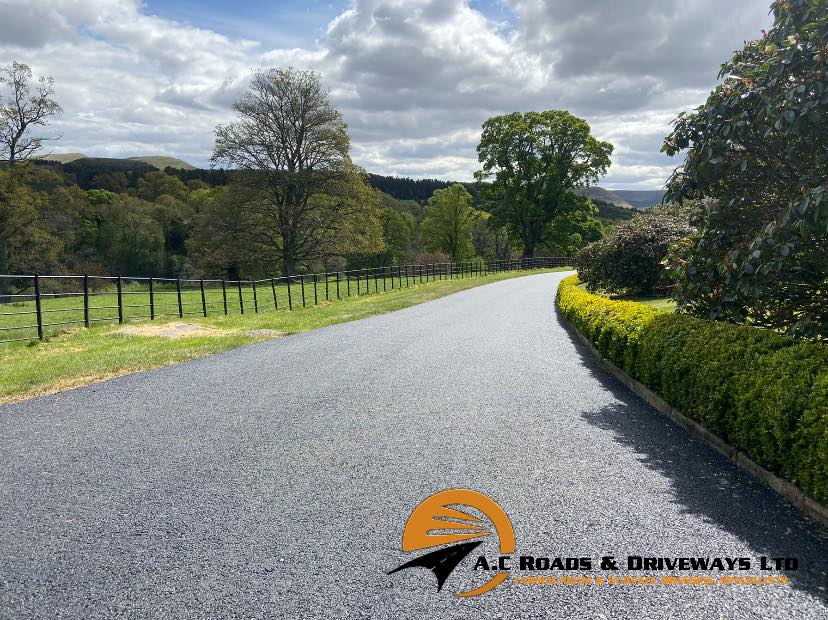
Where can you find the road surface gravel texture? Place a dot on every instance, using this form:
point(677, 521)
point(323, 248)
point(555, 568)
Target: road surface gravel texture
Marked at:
point(274, 481)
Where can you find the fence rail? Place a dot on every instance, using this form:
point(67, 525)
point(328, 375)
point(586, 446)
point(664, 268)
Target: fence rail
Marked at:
point(35, 306)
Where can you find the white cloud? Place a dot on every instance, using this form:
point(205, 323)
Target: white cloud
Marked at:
point(413, 78)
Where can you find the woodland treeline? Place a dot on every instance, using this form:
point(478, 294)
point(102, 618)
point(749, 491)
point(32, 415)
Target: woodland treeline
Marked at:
point(111, 216)
point(118, 216)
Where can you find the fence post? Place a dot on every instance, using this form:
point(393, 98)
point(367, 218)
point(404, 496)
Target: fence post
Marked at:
point(224, 293)
point(290, 298)
point(302, 282)
point(241, 297)
point(255, 298)
point(120, 301)
point(315, 297)
point(273, 288)
point(86, 300)
point(376, 286)
point(337, 283)
point(152, 300)
point(178, 290)
point(38, 308)
point(348, 282)
point(327, 283)
point(203, 299)
point(399, 276)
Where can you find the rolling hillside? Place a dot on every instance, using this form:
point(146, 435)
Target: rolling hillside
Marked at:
point(163, 161)
point(156, 161)
point(640, 199)
point(63, 158)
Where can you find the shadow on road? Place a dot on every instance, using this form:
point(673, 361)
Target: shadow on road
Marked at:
point(707, 484)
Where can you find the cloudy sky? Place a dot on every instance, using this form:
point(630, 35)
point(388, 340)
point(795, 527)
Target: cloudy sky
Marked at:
point(413, 78)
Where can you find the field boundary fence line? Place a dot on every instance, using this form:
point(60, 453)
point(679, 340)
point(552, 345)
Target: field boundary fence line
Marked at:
point(32, 307)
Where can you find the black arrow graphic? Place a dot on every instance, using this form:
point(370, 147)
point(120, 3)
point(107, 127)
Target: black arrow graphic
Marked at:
point(442, 561)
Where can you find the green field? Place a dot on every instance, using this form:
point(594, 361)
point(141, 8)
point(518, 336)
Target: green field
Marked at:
point(82, 356)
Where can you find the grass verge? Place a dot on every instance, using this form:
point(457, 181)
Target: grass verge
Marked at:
point(662, 304)
point(85, 356)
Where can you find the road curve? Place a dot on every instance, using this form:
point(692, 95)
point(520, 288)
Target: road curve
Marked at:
point(274, 481)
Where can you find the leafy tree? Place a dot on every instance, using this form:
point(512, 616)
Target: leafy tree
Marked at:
point(100, 196)
point(155, 184)
point(536, 162)
point(227, 239)
point(758, 150)
point(307, 200)
point(569, 232)
point(398, 233)
point(449, 222)
point(26, 245)
point(116, 182)
point(483, 237)
point(629, 260)
point(137, 241)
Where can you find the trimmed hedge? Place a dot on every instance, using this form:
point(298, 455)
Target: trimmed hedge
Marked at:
point(763, 393)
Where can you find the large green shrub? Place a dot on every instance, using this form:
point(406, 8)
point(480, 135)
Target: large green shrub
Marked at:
point(757, 149)
point(764, 393)
point(628, 260)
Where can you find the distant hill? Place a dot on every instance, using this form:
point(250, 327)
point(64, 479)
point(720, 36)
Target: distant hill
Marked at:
point(641, 199)
point(63, 158)
point(599, 195)
point(110, 173)
point(158, 162)
point(163, 161)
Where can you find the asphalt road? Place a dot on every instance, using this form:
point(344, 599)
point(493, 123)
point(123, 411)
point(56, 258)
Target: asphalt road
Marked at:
point(274, 481)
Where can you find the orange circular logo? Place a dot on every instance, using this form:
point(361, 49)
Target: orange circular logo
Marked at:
point(440, 521)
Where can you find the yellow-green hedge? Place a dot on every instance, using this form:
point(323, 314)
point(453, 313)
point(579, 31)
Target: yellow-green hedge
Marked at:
point(763, 393)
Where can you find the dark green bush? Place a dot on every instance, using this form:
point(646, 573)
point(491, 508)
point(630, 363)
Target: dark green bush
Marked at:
point(764, 393)
point(627, 261)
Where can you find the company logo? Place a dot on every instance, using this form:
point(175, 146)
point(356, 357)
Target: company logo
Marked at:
point(441, 521)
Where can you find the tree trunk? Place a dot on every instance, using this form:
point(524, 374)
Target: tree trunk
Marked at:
point(529, 249)
point(5, 284)
point(289, 261)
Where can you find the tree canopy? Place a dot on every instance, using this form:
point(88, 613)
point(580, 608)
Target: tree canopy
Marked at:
point(302, 195)
point(449, 222)
point(535, 161)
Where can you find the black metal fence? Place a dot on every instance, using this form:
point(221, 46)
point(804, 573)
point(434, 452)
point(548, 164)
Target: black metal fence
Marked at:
point(35, 306)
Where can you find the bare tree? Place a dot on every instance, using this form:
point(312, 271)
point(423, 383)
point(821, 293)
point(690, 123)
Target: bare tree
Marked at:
point(291, 146)
point(23, 106)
